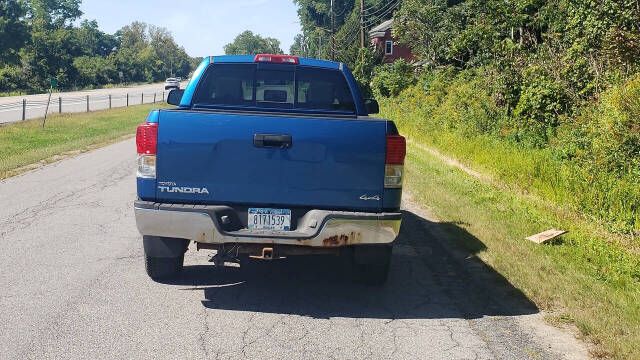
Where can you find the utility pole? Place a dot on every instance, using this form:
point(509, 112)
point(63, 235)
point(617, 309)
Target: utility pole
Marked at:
point(361, 23)
point(333, 40)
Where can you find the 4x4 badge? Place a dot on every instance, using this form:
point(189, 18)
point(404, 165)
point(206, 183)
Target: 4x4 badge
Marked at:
point(365, 197)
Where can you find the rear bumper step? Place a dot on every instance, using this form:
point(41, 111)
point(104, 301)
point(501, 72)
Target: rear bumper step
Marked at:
point(317, 228)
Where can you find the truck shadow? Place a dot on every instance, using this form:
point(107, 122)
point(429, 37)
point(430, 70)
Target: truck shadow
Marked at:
point(429, 278)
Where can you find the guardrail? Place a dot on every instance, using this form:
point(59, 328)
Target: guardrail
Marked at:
point(33, 109)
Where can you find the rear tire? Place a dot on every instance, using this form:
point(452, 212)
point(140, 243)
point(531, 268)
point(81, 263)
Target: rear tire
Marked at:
point(162, 268)
point(372, 263)
point(163, 257)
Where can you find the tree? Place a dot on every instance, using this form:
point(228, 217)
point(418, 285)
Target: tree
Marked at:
point(13, 29)
point(149, 53)
point(50, 54)
point(194, 62)
point(174, 58)
point(428, 27)
point(250, 43)
point(300, 46)
point(93, 70)
point(315, 14)
point(133, 35)
point(52, 46)
point(52, 14)
point(92, 41)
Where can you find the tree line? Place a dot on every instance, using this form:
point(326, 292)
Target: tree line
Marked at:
point(544, 60)
point(40, 40)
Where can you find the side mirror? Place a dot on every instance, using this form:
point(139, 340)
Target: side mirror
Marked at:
point(372, 106)
point(175, 96)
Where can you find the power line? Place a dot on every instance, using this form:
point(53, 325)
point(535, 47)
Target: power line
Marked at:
point(382, 9)
point(372, 6)
point(341, 40)
point(385, 10)
point(343, 11)
point(380, 17)
point(350, 33)
point(346, 37)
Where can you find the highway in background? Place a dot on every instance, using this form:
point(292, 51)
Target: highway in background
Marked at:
point(11, 107)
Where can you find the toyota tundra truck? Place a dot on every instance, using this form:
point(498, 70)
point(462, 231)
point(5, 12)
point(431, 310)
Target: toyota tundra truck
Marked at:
point(266, 157)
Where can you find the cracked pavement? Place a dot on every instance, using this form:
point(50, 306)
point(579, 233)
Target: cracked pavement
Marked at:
point(74, 287)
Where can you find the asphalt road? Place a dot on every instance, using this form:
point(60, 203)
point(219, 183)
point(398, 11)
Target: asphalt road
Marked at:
point(74, 287)
point(75, 101)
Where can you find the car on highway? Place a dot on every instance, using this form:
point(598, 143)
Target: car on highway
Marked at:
point(269, 156)
point(171, 83)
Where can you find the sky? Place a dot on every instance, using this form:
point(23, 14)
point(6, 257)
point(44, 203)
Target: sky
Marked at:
point(202, 27)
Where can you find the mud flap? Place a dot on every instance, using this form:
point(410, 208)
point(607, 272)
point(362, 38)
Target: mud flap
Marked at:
point(163, 247)
point(372, 254)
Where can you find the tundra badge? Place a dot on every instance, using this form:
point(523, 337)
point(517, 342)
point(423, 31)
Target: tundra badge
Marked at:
point(170, 187)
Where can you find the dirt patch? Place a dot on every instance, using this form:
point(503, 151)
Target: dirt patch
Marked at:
point(453, 162)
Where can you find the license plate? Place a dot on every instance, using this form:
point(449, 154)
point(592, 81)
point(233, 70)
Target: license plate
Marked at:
point(269, 219)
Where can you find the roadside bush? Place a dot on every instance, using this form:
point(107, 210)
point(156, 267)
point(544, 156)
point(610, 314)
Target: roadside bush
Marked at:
point(542, 102)
point(363, 70)
point(578, 72)
point(616, 135)
point(605, 136)
point(450, 100)
point(94, 70)
point(11, 78)
point(468, 106)
point(391, 80)
point(604, 145)
point(590, 161)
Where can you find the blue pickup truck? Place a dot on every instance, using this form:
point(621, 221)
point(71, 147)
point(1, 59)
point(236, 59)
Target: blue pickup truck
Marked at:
point(265, 157)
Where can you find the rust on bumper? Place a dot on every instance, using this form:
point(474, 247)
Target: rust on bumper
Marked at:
point(352, 238)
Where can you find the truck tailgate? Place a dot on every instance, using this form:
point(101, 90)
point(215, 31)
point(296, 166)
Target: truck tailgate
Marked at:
point(335, 163)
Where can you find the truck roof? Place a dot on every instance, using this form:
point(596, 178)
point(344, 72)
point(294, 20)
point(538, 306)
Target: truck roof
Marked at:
point(250, 58)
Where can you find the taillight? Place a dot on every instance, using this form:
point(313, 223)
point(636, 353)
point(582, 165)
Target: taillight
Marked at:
point(396, 149)
point(281, 59)
point(147, 143)
point(394, 162)
point(147, 138)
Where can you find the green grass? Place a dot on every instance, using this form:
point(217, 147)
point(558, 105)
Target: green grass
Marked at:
point(12, 93)
point(25, 143)
point(590, 276)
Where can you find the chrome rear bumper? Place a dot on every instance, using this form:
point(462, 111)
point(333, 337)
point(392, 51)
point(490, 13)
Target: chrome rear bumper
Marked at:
point(317, 228)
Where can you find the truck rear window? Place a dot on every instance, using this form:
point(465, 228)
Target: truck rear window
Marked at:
point(274, 86)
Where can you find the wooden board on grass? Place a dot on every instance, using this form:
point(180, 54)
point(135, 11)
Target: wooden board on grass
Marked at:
point(545, 236)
